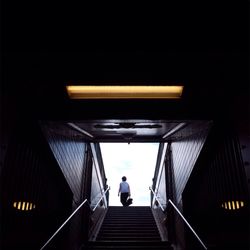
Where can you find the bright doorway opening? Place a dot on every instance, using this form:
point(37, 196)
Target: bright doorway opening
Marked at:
point(136, 161)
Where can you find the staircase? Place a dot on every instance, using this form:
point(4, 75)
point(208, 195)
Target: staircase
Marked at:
point(129, 228)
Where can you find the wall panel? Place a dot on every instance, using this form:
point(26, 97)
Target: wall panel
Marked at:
point(69, 153)
point(184, 155)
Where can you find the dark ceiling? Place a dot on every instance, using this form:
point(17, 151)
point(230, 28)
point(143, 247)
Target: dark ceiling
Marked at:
point(45, 47)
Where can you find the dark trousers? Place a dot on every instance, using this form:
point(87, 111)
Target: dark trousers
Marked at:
point(124, 197)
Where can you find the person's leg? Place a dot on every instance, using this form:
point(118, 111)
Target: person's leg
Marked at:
point(126, 200)
point(124, 197)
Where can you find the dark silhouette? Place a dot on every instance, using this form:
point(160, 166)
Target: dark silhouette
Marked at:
point(124, 192)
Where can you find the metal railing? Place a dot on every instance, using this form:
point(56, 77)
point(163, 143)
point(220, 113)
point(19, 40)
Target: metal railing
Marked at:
point(77, 209)
point(181, 215)
point(155, 196)
point(101, 198)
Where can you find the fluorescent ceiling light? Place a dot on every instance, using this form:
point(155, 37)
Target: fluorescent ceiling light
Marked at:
point(124, 92)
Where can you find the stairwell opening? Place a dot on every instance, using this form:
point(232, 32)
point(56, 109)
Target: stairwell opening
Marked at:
point(137, 162)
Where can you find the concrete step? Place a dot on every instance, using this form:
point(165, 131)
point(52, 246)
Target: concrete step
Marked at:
point(129, 238)
point(129, 228)
point(131, 245)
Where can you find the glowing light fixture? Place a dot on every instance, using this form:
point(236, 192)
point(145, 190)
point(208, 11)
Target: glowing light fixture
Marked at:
point(24, 205)
point(232, 205)
point(124, 92)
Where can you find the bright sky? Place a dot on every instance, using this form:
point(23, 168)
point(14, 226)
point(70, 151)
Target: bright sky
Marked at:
point(137, 162)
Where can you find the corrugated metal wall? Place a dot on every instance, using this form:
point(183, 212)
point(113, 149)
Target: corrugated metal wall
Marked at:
point(176, 166)
point(69, 154)
point(183, 151)
point(184, 155)
point(83, 171)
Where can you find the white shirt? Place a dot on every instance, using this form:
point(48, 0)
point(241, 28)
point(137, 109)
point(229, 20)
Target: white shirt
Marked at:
point(124, 187)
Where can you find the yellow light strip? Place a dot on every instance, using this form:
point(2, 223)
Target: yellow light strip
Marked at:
point(237, 205)
point(24, 206)
point(124, 92)
point(232, 205)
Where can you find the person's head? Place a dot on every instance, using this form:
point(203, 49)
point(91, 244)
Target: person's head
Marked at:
point(124, 178)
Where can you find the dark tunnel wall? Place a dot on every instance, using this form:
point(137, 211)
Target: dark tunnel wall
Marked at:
point(84, 173)
point(209, 185)
point(69, 153)
point(182, 153)
point(30, 174)
point(216, 198)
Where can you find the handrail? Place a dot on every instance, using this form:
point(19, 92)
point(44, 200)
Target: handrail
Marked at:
point(100, 199)
point(178, 211)
point(71, 217)
point(63, 224)
point(157, 199)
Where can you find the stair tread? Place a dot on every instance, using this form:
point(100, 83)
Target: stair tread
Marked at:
point(121, 230)
point(130, 236)
point(130, 242)
point(133, 223)
point(129, 228)
point(130, 247)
